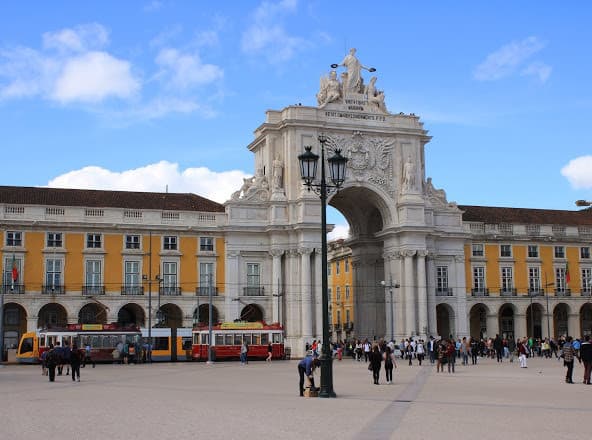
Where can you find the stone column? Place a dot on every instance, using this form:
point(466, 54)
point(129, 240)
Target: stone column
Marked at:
point(462, 327)
point(410, 298)
point(520, 330)
point(276, 271)
point(306, 289)
point(422, 294)
point(431, 276)
point(573, 325)
point(400, 318)
point(292, 293)
point(232, 288)
point(32, 323)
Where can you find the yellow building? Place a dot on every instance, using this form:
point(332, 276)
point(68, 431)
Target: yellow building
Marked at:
point(341, 290)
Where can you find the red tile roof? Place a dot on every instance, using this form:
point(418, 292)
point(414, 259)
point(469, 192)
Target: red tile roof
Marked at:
point(492, 214)
point(22, 195)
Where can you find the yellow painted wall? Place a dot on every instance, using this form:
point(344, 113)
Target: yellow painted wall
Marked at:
point(34, 265)
point(220, 268)
point(113, 263)
point(188, 267)
point(492, 271)
point(74, 266)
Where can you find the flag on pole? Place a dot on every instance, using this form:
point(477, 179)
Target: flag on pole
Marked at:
point(567, 278)
point(15, 273)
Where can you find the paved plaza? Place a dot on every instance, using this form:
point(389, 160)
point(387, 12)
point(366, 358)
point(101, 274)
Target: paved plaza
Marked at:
point(257, 401)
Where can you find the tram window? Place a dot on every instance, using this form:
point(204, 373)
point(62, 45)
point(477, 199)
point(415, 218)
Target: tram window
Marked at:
point(95, 341)
point(161, 343)
point(264, 338)
point(186, 343)
point(219, 339)
point(277, 338)
point(256, 338)
point(247, 338)
point(204, 338)
point(84, 341)
point(228, 339)
point(26, 345)
point(238, 339)
point(42, 341)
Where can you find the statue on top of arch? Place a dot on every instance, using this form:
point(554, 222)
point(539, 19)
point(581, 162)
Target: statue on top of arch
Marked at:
point(352, 83)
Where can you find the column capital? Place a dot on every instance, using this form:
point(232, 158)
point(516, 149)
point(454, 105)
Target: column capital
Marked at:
point(459, 258)
point(232, 254)
point(422, 253)
point(305, 250)
point(408, 253)
point(392, 255)
point(275, 253)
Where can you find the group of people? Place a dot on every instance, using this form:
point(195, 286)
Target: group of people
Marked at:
point(58, 357)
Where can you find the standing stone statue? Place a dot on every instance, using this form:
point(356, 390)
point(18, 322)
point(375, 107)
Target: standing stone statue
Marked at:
point(278, 168)
point(408, 175)
point(354, 73)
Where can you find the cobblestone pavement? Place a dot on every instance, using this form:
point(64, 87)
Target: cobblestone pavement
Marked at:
point(227, 401)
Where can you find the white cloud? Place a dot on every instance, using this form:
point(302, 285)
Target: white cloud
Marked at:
point(183, 70)
point(538, 70)
point(27, 72)
point(507, 59)
point(93, 77)
point(267, 35)
point(79, 39)
point(153, 6)
point(217, 186)
point(577, 172)
point(339, 231)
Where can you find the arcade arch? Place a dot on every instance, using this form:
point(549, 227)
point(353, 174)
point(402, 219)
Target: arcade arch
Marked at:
point(202, 315)
point(131, 314)
point(534, 320)
point(445, 320)
point(586, 319)
point(560, 319)
point(14, 323)
point(170, 316)
point(92, 313)
point(478, 321)
point(52, 315)
point(506, 321)
point(251, 313)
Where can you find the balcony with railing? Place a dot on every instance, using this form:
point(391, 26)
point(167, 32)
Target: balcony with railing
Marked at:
point(586, 291)
point(480, 291)
point(132, 290)
point(253, 291)
point(444, 291)
point(535, 292)
point(54, 289)
point(509, 291)
point(91, 290)
point(13, 288)
point(562, 292)
point(205, 291)
point(170, 290)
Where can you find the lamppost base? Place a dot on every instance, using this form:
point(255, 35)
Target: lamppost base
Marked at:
point(326, 390)
point(327, 393)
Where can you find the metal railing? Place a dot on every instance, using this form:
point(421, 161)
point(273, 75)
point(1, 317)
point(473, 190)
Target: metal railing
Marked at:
point(13, 288)
point(93, 290)
point(132, 290)
point(55, 289)
point(536, 292)
point(509, 292)
point(480, 292)
point(170, 290)
point(253, 291)
point(562, 292)
point(445, 292)
point(205, 291)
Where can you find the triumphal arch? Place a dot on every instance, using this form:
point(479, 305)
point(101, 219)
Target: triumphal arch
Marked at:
point(401, 227)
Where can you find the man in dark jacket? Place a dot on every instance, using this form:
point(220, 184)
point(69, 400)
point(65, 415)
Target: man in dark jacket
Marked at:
point(498, 346)
point(305, 368)
point(586, 358)
point(52, 359)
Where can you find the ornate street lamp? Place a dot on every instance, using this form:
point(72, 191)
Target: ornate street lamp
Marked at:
point(308, 169)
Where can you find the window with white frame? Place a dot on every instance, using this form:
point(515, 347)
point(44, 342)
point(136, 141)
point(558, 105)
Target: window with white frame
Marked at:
point(346, 264)
point(253, 275)
point(169, 243)
point(533, 251)
point(559, 252)
point(346, 292)
point(338, 317)
point(329, 294)
point(169, 274)
point(586, 280)
point(338, 294)
point(585, 252)
point(93, 273)
point(132, 241)
point(93, 241)
point(534, 279)
point(9, 263)
point(53, 272)
point(337, 269)
point(206, 276)
point(329, 263)
point(14, 238)
point(505, 250)
point(560, 281)
point(442, 278)
point(54, 240)
point(132, 274)
point(477, 250)
point(206, 244)
point(479, 278)
point(507, 279)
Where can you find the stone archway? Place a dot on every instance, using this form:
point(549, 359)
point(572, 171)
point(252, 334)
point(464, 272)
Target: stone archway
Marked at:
point(445, 320)
point(251, 313)
point(586, 319)
point(14, 324)
point(52, 315)
point(506, 322)
point(203, 315)
point(560, 320)
point(169, 315)
point(478, 321)
point(534, 320)
point(131, 314)
point(92, 313)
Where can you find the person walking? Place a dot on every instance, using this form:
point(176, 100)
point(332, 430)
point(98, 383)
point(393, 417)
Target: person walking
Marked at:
point(389, 363)
point(269, 352)
point(441, 355)
point(52, 360)
point(522, 353)
point(432, 349)
point(367, 350)
point(75, 361)
point(244, 352)
point(568, 353)
point(586, 358)
point(375, 362)
point(451, 355)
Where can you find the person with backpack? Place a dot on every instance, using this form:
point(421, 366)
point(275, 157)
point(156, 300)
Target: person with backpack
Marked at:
point(76, 358)
point(51, 360)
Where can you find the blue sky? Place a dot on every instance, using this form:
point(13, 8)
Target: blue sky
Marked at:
point(143, 94)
